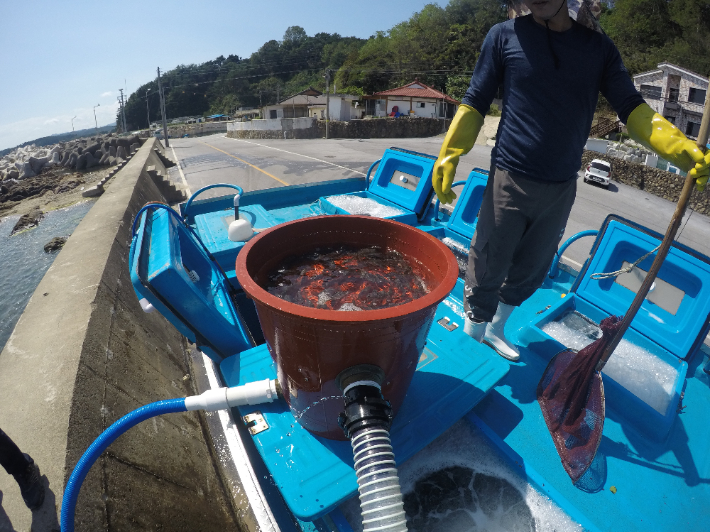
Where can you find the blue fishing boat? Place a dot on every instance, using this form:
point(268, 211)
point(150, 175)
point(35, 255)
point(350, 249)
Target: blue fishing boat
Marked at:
point(468, 435)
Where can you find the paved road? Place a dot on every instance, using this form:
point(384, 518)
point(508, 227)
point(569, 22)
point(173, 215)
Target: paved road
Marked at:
point(260, 164)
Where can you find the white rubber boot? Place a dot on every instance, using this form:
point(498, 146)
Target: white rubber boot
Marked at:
point(474, 330)
point(495, 333)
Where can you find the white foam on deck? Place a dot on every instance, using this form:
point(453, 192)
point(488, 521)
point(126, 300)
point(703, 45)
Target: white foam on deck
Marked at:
point(638, 370)
point(451, 243)
point(368, 206)
point(463, 445)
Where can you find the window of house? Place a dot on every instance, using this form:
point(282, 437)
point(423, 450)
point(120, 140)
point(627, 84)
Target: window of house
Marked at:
point(696, 96)
point(692, 129)
point(673, 95)
point(421, 105)
point(651, 92)
point(671, 119)
point(272, 113)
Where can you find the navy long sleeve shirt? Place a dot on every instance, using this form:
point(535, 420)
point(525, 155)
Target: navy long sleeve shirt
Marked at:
point(547, 111)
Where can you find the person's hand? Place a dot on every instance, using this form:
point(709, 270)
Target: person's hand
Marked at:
point(459, 140)
point(701, 171)
point(656, 133)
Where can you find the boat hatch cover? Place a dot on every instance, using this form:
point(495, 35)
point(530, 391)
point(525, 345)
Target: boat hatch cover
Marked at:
point(404, 178)
point(463, 219)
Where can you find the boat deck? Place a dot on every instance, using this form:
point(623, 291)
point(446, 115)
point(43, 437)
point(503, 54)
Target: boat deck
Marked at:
point(647, 475)
point(639, 484)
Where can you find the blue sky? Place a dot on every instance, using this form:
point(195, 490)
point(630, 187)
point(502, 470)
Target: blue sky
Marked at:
point(60, 59)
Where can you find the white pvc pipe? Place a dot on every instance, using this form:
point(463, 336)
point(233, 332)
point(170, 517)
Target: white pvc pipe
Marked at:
point(253, 393)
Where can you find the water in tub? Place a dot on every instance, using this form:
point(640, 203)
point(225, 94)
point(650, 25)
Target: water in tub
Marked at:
point(642, 373)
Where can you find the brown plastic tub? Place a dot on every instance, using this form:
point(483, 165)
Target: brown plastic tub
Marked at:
point(312, 346)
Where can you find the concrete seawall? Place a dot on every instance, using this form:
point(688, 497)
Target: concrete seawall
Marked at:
point(82, 355)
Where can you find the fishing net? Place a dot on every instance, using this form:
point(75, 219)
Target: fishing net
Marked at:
point(571, 396)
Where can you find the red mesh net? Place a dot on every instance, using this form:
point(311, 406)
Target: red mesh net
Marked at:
point(571, 397)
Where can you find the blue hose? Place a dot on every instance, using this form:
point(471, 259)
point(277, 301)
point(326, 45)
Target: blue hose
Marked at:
point(107, 437)
point(151, 206)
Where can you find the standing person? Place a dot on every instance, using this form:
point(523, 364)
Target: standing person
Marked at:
point(21, 466)
point(551, 70)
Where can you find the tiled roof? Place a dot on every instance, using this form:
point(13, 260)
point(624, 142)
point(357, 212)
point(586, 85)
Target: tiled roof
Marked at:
point(417, 89)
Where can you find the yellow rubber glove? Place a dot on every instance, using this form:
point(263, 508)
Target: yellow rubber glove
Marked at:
point(649, 128)
point(459, 140)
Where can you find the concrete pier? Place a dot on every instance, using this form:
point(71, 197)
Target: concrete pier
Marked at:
point(84, 354)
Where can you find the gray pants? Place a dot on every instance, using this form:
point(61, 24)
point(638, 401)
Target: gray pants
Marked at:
point(520, 225)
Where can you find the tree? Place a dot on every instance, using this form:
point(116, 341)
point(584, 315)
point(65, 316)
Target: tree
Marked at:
point(295, 35)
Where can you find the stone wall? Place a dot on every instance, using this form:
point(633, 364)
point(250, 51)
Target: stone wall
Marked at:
point(279, 128)
point(657, 182)
point(385, 128)
point(376, 128)
point(196, 130)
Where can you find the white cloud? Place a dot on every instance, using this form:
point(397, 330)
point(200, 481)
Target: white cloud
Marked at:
point(14, 133)
point(106, 94)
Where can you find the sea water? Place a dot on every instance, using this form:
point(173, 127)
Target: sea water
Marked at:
point(23, 261)
point(638, 370)
point(366, 206)
point(458, 483)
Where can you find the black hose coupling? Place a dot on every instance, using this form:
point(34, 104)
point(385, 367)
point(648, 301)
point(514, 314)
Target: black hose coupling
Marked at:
point(364, 404)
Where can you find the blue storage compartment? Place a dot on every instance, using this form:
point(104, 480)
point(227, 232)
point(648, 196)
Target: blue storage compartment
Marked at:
point(644, 378)
point(172, 271)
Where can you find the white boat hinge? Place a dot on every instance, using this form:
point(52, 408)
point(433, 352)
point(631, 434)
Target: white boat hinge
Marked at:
point(256, 423)
point(447, 324)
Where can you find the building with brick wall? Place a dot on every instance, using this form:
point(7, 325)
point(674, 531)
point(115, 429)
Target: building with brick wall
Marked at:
point(676, 93)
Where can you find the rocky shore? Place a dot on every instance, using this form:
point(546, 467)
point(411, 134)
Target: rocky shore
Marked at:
point(35, 180)
point(80, 154)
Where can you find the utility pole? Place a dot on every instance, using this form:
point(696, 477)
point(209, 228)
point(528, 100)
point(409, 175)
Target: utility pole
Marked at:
point(72, 124)
point(147, 106)
point(123, 112)
point(119, 118)
point(95, 121)
point(162, 110)
point(327, 102)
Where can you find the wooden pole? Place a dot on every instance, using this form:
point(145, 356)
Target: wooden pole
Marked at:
point(663, 250)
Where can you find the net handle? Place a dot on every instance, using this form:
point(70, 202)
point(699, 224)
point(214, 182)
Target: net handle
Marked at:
point(665, 246)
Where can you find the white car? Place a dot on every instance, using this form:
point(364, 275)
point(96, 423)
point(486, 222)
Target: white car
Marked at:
point(598, 171)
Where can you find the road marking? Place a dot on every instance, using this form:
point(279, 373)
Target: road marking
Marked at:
point(300, 155)
point(254, 167)
point(182, 176)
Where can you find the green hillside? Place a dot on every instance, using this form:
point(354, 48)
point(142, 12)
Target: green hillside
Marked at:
point(438, 45)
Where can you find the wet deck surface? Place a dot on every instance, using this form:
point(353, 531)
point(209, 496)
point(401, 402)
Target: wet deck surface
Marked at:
point(261, 164)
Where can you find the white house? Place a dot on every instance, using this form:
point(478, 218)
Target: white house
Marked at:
point(414, 99)
point(676, 93)
point(312, 103)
